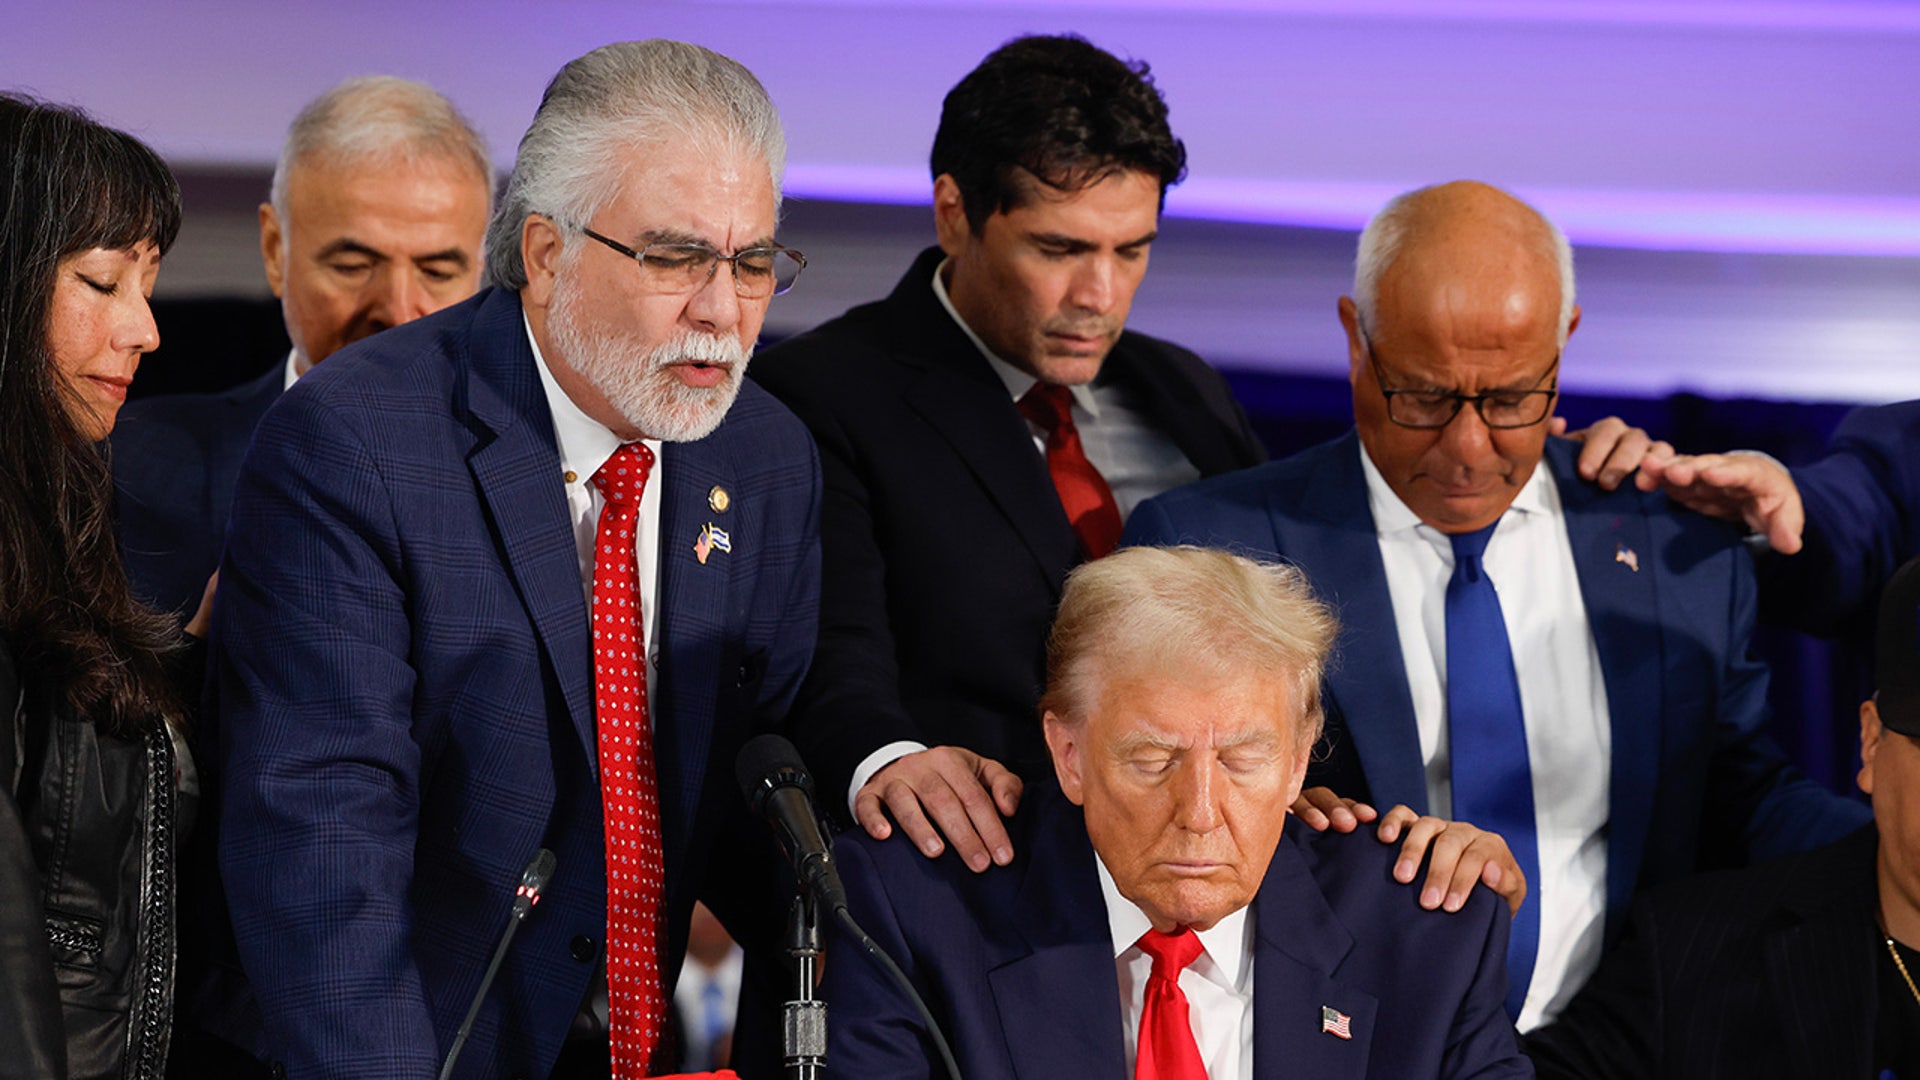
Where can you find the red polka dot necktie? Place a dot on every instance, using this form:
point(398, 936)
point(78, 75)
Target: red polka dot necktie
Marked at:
point(636, 1006)
point(1084, 493)
point(1167, 1047)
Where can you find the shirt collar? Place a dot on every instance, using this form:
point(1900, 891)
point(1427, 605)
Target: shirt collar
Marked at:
point(1018, 382)
point(1391, 516)
point(584, 443)
point(1224, 960)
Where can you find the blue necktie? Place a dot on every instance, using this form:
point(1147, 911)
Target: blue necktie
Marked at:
point(1492, 781)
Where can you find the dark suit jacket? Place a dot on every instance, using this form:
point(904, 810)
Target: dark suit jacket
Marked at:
point(175, 460)
point(1695, 779)
point(1863, 522)
point(944, 541)
point(403, 672)
point(1763, 972)
point(1018, 963)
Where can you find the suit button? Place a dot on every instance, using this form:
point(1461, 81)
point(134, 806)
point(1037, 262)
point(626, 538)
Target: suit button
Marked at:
point(581, 948)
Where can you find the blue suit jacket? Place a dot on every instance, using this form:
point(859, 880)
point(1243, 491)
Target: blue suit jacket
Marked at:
point(1018, 963)
point(403, 674)
point(1695, 779)
point(1863, 520)
point(175, 460)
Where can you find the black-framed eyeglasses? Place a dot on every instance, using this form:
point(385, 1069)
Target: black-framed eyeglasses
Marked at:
point(680, 269)
point(1430, 409)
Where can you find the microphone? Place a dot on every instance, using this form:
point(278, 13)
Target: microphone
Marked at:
point(533, 880)
point(776, 784)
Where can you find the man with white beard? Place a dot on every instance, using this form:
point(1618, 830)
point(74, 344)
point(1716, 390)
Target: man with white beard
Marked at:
point(525, 574)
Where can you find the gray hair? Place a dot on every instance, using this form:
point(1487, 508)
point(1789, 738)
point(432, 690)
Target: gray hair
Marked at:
point(380, 120)
point(1386, 234)
point(1188, 611)
point(601, 108)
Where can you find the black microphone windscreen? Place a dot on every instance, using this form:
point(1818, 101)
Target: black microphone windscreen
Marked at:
point(539, 871)
point(768, 761)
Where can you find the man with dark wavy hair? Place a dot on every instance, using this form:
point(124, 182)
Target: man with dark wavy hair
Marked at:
point(986, 428)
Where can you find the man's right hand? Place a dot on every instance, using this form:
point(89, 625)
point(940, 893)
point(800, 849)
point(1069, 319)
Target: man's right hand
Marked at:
point(945, 791)
point(1745, 487)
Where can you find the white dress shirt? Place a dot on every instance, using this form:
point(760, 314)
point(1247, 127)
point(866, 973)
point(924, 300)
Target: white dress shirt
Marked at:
point(1137, 460)
point(1218, 984)
point(585, 444)
point(1563, 698)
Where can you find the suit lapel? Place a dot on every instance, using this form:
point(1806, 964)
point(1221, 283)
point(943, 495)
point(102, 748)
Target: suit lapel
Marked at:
point(1299, 945)
point(695, 618)
point(967, 405)
point(517, 471)
point(1610, 539)
point(1057, 990)
point(1331, 536)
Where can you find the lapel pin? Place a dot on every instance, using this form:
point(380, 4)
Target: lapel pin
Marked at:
point(1336, 1023)
point(712, 538)
point(718, 499)
point(1624, 554)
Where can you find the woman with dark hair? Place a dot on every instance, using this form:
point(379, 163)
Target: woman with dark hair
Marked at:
point(89, 715)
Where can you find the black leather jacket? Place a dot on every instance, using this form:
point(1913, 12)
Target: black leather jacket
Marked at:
point(86, 894)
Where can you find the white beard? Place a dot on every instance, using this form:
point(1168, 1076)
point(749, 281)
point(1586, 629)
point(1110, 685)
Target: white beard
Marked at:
point(636, 381)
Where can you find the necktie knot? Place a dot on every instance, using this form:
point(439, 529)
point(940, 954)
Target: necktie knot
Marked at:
point(624, 475)
point(1468, 548)
point(1048, 406)
point(1172, 953)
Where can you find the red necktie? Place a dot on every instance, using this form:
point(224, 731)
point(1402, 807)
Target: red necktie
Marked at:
point(1083, 491)
point(1167, 1049)
point(636, 1006)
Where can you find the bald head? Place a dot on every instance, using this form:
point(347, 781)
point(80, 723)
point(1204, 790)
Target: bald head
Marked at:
point(1460, 290)
point(1470, 228)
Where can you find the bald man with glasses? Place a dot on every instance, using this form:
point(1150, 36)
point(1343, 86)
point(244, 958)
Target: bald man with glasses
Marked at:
point(1561, 664)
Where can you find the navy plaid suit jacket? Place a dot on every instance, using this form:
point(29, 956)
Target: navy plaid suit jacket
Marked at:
point(402, 673)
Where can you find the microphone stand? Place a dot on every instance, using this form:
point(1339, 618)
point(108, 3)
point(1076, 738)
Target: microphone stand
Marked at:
point(805, 1033)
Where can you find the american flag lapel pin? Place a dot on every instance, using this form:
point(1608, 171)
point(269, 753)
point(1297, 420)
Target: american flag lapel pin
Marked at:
point(1336, 1023)
point(1624, 554)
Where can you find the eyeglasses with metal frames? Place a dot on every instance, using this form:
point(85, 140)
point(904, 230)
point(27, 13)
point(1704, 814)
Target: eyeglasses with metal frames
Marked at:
point(1431, 409)
point(679, 269)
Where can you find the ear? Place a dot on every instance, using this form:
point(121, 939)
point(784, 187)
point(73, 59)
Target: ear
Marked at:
point(540, 246)
point(950, 215)
point(1298, 777)
point(1573, 323)
point(1064, 742)
point(273, 249)
point(1870, 735)
point(1356, 349)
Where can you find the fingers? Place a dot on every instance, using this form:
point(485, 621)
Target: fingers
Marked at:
point(1319, 809)
point(1393, 823)
point(1477, 856)
point(1003, 784)
point(1557, 425)
point(1419, 837)
point(1612, 450)
point(940, 797)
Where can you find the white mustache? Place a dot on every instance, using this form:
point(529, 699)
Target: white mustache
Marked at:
point(717, 349)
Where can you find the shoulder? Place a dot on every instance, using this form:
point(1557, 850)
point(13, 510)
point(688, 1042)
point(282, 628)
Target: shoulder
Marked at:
point(1839, 873)
point(1276, 484)
point(761, 433)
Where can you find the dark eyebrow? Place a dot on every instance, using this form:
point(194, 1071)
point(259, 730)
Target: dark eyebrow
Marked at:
point(1075, 245)
point(452, 255)
point(347, 245)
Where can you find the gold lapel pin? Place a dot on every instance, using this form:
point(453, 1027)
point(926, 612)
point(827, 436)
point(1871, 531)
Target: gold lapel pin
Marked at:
point(718, 499)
